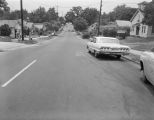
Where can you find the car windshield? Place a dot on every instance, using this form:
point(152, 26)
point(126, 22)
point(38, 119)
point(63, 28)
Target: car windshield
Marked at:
point(108, 40)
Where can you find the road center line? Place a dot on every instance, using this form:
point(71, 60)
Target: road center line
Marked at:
point(14, 77)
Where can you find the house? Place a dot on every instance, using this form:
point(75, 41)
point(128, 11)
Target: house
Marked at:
point(121, 26)
point(138, 28)
point(29, 25)
point(15, 26)
point(40, 26)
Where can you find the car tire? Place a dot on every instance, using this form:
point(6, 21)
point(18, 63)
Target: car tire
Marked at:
point(145, 78)
point(88, 49)
point(96, 54)
point(143, 73)
point(118, 56)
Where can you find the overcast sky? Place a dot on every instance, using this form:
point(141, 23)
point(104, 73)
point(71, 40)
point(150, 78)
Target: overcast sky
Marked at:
point(65, 5)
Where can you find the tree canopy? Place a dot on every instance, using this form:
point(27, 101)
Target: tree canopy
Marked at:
point(149, 14)
point(90, 15)
point(3, 7)
point(121, 12)
point(80, 24)
point(73, 13)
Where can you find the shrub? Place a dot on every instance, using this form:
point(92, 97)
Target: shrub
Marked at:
point(109, 32)
point(5, 30)
point(85, 35)
point(80, 24)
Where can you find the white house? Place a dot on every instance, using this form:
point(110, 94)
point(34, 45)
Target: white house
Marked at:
point(40, 26)
point(138, 28)
point(15, 26)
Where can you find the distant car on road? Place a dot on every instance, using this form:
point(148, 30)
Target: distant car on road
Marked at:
point(108, 46)
point(147, 65)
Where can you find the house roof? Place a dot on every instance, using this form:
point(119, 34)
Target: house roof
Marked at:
point(136, 14)
point(11, 23)
point(39, 25)
point(123, 23)
point(29, 24)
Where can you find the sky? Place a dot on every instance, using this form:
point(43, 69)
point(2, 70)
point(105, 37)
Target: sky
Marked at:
point(66, 5)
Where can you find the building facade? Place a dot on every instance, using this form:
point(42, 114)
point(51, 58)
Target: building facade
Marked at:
point(137, 27)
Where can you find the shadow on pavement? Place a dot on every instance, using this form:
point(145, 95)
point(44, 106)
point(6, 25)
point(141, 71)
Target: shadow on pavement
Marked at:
point(108, 58)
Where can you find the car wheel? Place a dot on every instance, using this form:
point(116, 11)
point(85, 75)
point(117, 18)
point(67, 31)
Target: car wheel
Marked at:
point(88, 50)
point(144, 77)
point(118, 56)
point(143, 73)
point(96, 54)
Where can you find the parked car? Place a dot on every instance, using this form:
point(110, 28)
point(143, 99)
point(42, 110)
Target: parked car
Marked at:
point(108, 46)
point(147, 65)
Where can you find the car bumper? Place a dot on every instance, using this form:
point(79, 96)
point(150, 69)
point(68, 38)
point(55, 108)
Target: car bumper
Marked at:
point(112, 53)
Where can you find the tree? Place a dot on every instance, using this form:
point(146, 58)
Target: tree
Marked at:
point(124, 13)
point(74, 13)
point(38, 16)
point(90, 15)
point(51, 14)
point(121, 12)
point(14, 15)
point(80, 24)
point(77, 11)
point(70, 16)
point(62, 20)
point(3, 7)
point(149, 14)
point(5, 30)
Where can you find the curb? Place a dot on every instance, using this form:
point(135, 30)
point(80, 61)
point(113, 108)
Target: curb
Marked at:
point(129, 59)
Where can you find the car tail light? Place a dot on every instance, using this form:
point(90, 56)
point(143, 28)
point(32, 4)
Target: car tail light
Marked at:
point(105, 48)
point(124, 49)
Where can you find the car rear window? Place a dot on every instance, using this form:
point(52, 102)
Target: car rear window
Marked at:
point(108, 40)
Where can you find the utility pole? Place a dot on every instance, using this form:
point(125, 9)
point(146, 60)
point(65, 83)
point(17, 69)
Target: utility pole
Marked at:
point(22, 24)
point(99, 21)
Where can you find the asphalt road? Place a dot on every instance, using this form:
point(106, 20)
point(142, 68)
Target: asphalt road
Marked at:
point(59, 80)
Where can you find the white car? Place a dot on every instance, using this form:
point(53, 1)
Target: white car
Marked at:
point(108, 46)
point(147, 65)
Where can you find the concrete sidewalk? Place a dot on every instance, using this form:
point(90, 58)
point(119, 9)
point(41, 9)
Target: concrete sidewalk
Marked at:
point(134, 56)
point(6, 46)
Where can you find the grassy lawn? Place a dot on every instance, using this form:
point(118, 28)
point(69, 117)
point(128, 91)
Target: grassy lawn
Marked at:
point(5, 39)
point(142, 44)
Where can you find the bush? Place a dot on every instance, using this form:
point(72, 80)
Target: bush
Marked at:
point(80, 24)
point(86, 35)
point(109, 32)
point(5, 30)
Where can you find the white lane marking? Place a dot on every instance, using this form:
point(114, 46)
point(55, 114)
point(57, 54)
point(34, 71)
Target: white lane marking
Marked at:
point(14, 77)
